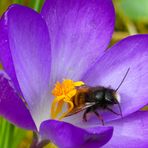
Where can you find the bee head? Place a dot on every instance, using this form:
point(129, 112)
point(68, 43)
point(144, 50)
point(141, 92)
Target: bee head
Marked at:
point(112, 97)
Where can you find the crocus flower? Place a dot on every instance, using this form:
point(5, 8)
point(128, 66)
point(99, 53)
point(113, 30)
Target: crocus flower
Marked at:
point(68, 40)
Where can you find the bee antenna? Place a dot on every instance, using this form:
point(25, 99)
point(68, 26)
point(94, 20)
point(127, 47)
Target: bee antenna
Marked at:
point(123, 79)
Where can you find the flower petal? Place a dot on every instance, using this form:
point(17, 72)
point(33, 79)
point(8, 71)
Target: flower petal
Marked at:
point(131, 52)
point(5, 54)
point(66, 135)
point(80, 31)
point(29, 46)
point(131, 131)
point(11, 105)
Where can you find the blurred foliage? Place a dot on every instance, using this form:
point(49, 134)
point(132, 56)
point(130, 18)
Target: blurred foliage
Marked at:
point(131, 18)
point(14, 137)
point(136, 10)
point(10, 135)
point(35, 4)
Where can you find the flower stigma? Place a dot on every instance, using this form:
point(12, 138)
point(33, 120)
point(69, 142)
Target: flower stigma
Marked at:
point(63, 93)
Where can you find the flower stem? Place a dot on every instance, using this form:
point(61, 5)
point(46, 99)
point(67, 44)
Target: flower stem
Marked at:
point(36, 143)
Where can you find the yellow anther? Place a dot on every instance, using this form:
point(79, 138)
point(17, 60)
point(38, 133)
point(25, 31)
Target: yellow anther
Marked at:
point(63, 93)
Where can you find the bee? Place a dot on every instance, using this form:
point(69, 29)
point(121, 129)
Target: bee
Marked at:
point(91, 99)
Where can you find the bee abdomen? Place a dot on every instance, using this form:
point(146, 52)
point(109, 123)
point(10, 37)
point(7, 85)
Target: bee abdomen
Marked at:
point(79, 99)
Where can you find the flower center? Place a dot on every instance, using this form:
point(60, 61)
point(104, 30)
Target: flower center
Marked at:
point(63, 93)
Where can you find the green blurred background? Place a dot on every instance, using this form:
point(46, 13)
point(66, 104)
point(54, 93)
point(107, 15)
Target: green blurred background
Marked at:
point(131, 18)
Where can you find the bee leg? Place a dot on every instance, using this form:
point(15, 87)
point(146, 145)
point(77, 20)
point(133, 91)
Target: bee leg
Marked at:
point(120, 110)
point(85, 114)
point(99, 116)
point(112, 111)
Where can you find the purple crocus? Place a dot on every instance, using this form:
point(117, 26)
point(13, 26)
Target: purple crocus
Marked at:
point(67, 40)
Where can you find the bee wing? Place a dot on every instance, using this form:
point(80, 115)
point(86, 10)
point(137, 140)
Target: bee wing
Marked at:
point(83, 88)
point(80, 108)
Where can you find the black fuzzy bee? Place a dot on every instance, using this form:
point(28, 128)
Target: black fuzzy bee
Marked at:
point(92, 98)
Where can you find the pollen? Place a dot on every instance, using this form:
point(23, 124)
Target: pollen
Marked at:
point(63, 93)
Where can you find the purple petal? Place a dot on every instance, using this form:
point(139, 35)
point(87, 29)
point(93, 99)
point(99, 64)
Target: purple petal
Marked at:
point(29, 45)
point(131, 131)
point(5, 54)
point(11, 105)
point(132, 53)
point(66, 135)
point(80, 31)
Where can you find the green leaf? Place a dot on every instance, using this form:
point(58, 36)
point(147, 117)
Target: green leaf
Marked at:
point(36, 5)
point(10, 136)
point(136, 10)
point(18, 136)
